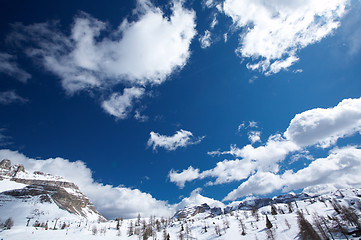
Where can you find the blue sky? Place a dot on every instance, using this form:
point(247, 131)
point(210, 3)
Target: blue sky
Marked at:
point(140, 97)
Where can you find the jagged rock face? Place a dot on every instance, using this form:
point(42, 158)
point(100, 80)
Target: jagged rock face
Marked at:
point(244, 205)
point(66, 195)
point(203, 208)
point(5, 164)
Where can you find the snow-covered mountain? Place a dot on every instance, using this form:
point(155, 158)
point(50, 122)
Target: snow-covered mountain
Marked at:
point(36, 196)
point(49, 207)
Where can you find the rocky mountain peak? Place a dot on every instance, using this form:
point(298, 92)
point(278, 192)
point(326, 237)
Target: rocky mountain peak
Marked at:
point(5, 164)
point(45, 188)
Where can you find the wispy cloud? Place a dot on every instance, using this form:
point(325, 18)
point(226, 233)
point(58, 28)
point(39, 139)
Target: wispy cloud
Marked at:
point(9, 67)
point(205, 39)
point(257, 165)
point(119, 105)
point(10, 97)
point(4, 140)
point(181, 138)
point(274, 31)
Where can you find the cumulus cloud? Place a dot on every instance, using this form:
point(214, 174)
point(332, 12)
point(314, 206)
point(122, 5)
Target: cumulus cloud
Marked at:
point(275, 30)
point(265, 158)
point(119, 105)
point(325, 126)
point(185, 176)
point(254, 136)
point(112, 202)
point(260, 165)
point(138, 53)
point(181, 138)
point(11, 96)
point(339, 168)
point(9, 67)
point(196, 199)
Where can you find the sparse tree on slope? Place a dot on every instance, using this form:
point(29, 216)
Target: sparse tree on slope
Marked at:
point(9, 223)
point(268, 223)
point(307, 232)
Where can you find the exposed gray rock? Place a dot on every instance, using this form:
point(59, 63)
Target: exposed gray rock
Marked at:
point(66, 195)
point(5, 164)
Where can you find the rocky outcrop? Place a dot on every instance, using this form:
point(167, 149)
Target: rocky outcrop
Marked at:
point(5, 164)
point(203, 208)
point(66, 195)
point(46, 182)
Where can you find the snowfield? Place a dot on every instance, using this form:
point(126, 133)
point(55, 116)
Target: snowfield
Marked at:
point(56, 209)
point(202, 226)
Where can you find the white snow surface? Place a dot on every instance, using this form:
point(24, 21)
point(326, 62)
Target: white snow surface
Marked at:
point(6, 185)
point(229, 224)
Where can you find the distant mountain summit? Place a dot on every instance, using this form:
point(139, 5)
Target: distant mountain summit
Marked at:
point(41, 196)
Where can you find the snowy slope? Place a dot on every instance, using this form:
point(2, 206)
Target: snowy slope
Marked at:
point(36, 196)
point(34, 202)
point(203, 226)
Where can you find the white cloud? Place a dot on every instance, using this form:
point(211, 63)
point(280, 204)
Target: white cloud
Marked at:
point(145, 51)
point(316, 127)
point(304, 154)
point(181, 138)
point(339, 168)
point(205, 39)
point(262, 158)
point(138, 116)
point(259, 183)
point(254, 136)
point(139, 53)
point(112, 202)
point(241, 126)
point(11, 96)
point(275, 30)
point(325, 126)
point(214, 21)
point(253, 124)
point(196, 199)
point(9, 66)
point(187, 175)
point(119, 105)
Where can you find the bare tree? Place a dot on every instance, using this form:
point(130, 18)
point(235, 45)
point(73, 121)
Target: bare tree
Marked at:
point(318, 224)
point(290, 207)
point(350, 216)
point(130, 229)
point(287, 224)
point(9, 223)
point(243, 227)
point(307, 232)
point(94, 230)
point(217, 229)
point(255, 212)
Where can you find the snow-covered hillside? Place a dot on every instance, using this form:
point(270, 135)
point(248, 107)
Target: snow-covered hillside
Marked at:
point(29, 197)
point(38, 214)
